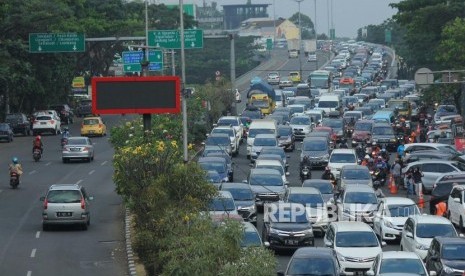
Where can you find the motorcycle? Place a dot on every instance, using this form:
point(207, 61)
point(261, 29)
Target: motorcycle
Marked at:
point(14, 180)
point(64, 142)
point(378, 176)
point(36, 155)
point(305, 172)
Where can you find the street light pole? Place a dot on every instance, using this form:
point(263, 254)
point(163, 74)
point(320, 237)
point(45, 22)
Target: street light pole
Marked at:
point(300, 40)
point(146, 117)
point(274, 23)
point(183, 81)
point(316, 37)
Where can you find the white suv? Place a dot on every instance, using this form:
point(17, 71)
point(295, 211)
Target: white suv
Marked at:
point(456, 206)
point(231, 132)
point(339, 158)
point(355, 243)
point(45, 122)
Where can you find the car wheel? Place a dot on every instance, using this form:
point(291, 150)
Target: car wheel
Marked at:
point(45, 227)
point(92, 158)
point(55, 132)
point(461, 227)
point(84, 226)
point(65, 160)
point(89, 159)
point(26, 132)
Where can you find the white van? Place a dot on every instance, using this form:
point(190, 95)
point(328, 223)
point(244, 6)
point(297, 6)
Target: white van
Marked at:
point(260, 126)
point(329, 103)
point(280, 99)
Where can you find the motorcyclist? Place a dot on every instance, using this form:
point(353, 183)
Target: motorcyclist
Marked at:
point(378, 191)
point(384, 154)
point(400, 150)
point(343, 144)
point(305, 163)
point(15, 166)
point(375, 150)
point(328, 175)
point(371, 164)
point(365, 160)
point(37, 144)
point(359, 151)
point(65, 133)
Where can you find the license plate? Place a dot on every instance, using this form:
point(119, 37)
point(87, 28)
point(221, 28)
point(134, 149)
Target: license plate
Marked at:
point(74, 149)
point(64, 214)
point(91, 131)
point(43, 123)
point(291, 242)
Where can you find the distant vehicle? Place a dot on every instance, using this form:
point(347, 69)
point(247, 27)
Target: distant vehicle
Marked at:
point(273, 78)
point(313, 261)
point(19, 123)
point(78, 148)
point(6, 133)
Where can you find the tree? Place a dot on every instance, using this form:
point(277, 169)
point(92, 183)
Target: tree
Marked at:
point(306, 24)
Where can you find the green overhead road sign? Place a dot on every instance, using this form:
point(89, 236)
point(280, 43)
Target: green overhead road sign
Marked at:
point(56, 42)
point(387, 36)
point(332, 34)
point(132, 60)
point(269, 44)
point(171, 39)
point(188, 9)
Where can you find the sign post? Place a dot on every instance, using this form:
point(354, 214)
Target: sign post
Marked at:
point(56, 42)
point(171, 39)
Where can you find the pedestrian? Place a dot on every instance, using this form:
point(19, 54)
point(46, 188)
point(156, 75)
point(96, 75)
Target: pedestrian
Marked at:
point(396, 171)
point(400, 150)
point(416, 176)
point(441, 209)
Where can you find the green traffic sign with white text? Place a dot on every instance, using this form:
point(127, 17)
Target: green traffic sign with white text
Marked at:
point(171, 39)
point(56, 42)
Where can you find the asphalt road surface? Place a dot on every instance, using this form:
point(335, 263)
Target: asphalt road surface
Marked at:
point(24, 248)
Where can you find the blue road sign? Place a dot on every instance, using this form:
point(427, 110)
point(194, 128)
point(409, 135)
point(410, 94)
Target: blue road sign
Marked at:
point(132, 60)
point(155, 66)
point(131, 57)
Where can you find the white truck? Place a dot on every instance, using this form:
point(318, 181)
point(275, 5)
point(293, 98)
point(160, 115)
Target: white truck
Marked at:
point(310, 49)
point(293, 48)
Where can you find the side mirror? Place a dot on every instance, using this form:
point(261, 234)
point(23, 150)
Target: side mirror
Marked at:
point(266, 244)
point(288, 173)
point(456, 199)
point(383, 244)
point(42, 198)
point(432, 273)
point(251, 165)
point(328, 244)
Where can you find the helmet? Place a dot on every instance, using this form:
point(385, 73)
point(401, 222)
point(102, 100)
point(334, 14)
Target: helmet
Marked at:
point(15, 160)
point(327, 169)
point(373, 144)
point(65, 129)
point(383, 149)
point(376, 185)
point(379, 157)
point(38, 137)
point(367, 156)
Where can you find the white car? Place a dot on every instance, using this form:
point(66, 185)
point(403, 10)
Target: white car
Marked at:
point(357, 203)
point(420, 230)
point(223, 203)
point(391, 216)
point(456, 205)
point(272, 164)
point(301, 126)
point(339, 158)
point(273, 78)
point(46, 123)
point(234, 122)
point(262, 141)
point(398, 263)
point(355, 243)
point(285, 82)
point(235, 139)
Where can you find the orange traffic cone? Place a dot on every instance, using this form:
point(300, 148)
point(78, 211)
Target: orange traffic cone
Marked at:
point(421, 202)
point(393, 188)
point(390, 182)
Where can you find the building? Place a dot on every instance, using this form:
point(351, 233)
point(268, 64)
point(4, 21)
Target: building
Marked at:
point(234, 15)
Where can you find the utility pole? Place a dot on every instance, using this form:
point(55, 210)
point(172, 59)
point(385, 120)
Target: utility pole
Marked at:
point(233, 72)
point(183, 82)
point(146, 117)
point(300, 41)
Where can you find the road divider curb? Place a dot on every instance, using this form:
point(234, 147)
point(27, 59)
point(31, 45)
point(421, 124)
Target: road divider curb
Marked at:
point(129, 252)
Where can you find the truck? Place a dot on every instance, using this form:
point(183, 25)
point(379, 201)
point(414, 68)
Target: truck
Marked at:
point(263, 96)
point(309, 46)
point(293, 48)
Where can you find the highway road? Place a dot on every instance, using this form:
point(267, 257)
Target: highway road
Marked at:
point(24, 248)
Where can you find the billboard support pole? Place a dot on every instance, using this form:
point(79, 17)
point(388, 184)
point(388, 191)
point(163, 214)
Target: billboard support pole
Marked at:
point(183, 82)
point(146, 117)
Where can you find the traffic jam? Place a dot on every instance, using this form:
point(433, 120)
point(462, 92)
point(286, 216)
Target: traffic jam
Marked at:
point(347, 170)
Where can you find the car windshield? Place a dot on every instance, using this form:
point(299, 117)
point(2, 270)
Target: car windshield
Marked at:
point(319, 82)
point(431, 230)
point(382, 131)
point(275, 151)
point(241, 194)
point(402, 266)
point(453, 252)
point(213, 177)
point(318, 266)
point(342, 158)
point(447, 109)
point(287, 131)
point(266, 180)
point(355, 174)
point(273, 167)
point(403, 210)
point(360, 198)
point(251, 239)
point(260, 102)
point(315, 146)
point(213, 166)
point(302, 121)
point(64, 196)
point(77, 142)
point(297, 109)
point(254, 131)
point(449, 149)
point(265, 142)
point(308, 200)
point(89, 122)
point(399, 105)
point(4, 127)
point(324, 188)
point(356, 239)
point(228, 122)
point(333, 123)
point(252, 114)
point(43, 118)
point(218, 140)
point(315, 117)
point(222, 204)
point(362, 126)
point(286, 215)
point(228, 131)
point(327, 104)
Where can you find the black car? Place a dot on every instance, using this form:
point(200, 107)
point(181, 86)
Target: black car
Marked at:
point(286, 226)
point(19, 123)
point(383, 134)
point(313, 261)
point(446, 256)
point(286, 138)
point(65, 113)
point(5, 132)
point(84, 108)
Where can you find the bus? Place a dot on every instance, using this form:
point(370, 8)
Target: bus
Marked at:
point(321, 79)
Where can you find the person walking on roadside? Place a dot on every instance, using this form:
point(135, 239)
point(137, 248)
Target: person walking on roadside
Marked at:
point(396, 171)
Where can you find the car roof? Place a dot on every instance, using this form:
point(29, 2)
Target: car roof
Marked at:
point(397, 200)
point(450, 240)
point(208, 159)
point(303, 190)
point(228, 117)
point(429, 152)
point(304, 252)
point(78, 137)
point(434, 161)
point(314, 138)
point(218, 135)
point(434, 145)
point(430, 219)
point(359, 188)
point(235, 185)
point(399, 255)
point(265, 136)
point(355, 167)
point(268, 162)
point(264, 171)
point(343, 151)
point(64, 187)
point(350, 226)
point(222, 127)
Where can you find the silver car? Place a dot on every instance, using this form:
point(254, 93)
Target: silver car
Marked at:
point(78, 148)
point(66, 204)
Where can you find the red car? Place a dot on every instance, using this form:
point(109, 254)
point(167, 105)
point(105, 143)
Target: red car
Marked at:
point(332, 134)
point(362, 131)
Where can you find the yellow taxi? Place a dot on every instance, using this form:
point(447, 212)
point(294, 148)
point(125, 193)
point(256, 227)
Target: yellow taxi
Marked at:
point(294, 76)
point(93, 126)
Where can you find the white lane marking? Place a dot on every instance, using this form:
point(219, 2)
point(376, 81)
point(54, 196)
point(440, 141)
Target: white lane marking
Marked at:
point(38, 234)
point(48, 164)
point(91, 172)
point(103, 163)
point(33, 253)
point(29, 273)
point(32, 172)
point(79, 181)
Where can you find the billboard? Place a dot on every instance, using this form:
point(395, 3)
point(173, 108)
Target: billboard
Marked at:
point(136, 95)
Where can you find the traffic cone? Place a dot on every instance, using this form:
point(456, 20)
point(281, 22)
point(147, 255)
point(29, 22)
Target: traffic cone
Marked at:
point(421, 202)
point(393, 189)
point(390, 182)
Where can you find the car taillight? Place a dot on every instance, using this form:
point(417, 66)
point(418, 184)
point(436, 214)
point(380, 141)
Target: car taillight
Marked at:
point(45, 204)
point(85, 149)
point(35, 122)
point(83, 203)
point(100, 125)
point(52, 121)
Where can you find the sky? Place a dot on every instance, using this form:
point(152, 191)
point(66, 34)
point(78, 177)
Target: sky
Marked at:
point(348, 15)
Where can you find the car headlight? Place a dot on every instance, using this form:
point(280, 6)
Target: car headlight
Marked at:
point(393, 140)
point(447, 269)
point(308, 232)
point(274, 231)
point(326, 156)
point(225, 179)
point(421, 246)
point(247, 208)
point(388, 224)
point(341, 258)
